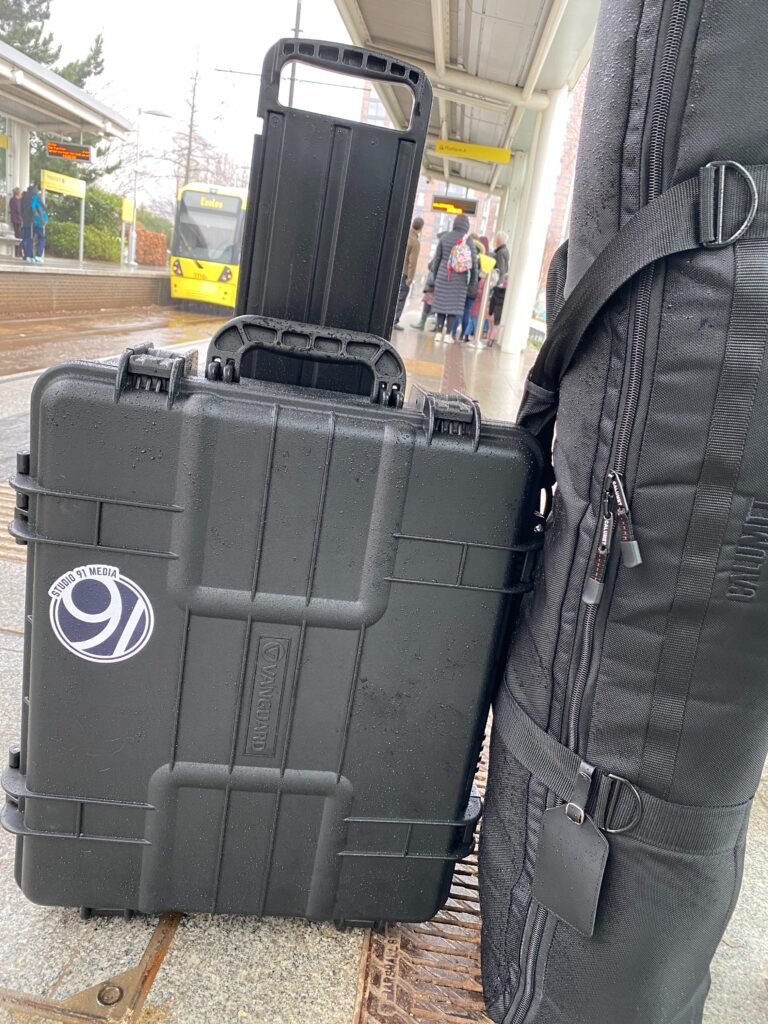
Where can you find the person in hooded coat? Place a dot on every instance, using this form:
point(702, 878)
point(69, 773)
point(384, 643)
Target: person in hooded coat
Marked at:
point(451, 287)
point(14, 208)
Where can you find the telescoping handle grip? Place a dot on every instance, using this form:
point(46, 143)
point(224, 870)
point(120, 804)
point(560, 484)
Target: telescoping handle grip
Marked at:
point(308, 356)
point(346, 60)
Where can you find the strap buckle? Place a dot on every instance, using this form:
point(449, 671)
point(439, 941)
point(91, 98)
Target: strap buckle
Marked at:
point(614, 795)
point(576, 808)
point(610, 793)
point(712, 195)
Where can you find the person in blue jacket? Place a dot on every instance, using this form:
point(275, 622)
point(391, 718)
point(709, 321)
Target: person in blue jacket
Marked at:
point(34, 218)
point(38, 228)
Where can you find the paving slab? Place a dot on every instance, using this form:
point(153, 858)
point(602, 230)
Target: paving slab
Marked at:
point(739, 993)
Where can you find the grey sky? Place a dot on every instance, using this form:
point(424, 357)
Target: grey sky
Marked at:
point(151, 47)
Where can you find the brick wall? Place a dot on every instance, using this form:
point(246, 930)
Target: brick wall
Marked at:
point(26, 292)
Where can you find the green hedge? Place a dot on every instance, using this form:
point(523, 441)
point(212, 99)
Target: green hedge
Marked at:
point(101, 245)
point(154, 222)
point(62, 239)
point(102, 224)
point(102, 209)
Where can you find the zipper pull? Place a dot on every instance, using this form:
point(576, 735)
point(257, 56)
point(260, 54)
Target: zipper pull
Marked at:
point(593, 588)
point(630, 549)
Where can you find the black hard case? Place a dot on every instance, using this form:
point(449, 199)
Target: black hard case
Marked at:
point(331, 582)
point(331, 577)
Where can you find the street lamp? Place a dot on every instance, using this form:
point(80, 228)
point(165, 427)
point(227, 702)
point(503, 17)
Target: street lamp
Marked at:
point(132, 243)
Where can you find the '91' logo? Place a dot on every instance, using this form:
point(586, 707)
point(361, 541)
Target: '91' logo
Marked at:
point(99, 614)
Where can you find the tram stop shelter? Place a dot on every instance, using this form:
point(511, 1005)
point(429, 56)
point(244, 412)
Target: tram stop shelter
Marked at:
point(502, 71)
point(34, 98)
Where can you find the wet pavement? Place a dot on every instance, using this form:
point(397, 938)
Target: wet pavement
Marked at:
point(28, 346)
point(272, 971)
point(59, 264)
point(34, 344)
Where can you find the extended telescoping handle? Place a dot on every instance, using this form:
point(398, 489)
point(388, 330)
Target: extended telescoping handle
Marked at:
point(346, 60)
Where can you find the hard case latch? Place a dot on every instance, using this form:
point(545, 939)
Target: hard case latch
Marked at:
point(154, 369)
point(452, 413)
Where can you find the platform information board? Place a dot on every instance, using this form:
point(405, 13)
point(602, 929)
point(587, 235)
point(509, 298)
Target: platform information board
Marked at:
point(69, 151)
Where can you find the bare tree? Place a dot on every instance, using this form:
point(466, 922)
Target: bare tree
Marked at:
point(223, 170)
point(192, 126)
point(189, 157)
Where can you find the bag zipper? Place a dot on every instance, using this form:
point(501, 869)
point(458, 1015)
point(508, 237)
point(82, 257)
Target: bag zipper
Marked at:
point(537, 934)
point(615, 508)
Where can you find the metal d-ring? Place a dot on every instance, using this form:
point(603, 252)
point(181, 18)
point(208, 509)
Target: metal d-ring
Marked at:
point(712, 197)
point(613, 800)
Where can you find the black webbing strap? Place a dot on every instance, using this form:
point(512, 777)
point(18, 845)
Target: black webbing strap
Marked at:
point(674, 222)
point(614, 804)
point(742, 365)
point(556, 278)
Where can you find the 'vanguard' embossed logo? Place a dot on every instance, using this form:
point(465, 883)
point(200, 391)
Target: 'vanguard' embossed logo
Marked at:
point(271, 668)
point(751, 553)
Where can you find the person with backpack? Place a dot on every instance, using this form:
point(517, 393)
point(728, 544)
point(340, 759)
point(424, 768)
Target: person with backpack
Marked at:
point(34, 218)
point(40, 219)
point(454, 266)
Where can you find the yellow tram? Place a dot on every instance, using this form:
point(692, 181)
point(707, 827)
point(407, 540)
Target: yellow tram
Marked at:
point(207, 238)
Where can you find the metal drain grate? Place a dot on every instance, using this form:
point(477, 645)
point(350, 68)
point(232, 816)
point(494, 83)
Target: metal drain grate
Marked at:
point(10, 551)
point(428, 973)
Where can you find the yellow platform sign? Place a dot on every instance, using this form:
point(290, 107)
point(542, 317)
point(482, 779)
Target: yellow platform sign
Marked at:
point(471, 151)
point(52, 181)
point(126, 211)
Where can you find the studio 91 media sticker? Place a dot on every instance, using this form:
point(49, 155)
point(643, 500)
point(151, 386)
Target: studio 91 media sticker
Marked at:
point(99, 614)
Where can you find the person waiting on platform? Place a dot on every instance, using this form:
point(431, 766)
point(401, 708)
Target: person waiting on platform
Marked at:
point(14, 210)
point(409, 270)
point(34, 218)
point(455, 268)
point(39, 220)
point(499, 293)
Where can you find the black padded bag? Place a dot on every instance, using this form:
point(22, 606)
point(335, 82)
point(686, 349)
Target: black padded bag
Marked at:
point(630, 729)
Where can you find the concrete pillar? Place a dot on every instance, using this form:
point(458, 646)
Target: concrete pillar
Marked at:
point(533, 222)
point(18, 155)
point(515, 198)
